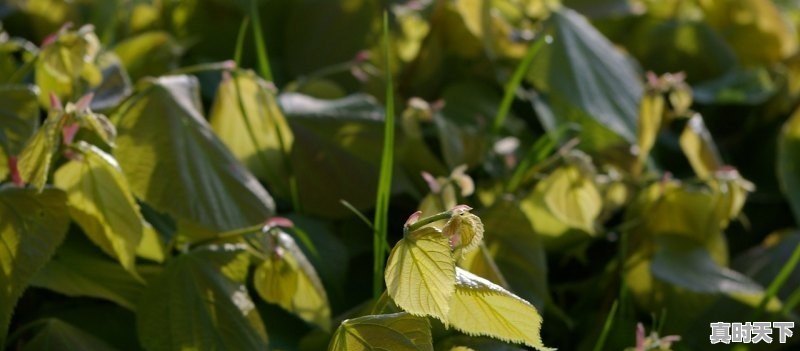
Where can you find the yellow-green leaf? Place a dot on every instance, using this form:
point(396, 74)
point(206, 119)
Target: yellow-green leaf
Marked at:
point(260, 137)
point(572, 198)
point(101, 202)
point(479, 307)
point(19, 116)
point(68, 63)
point(651, 110)
point(420, 276)
point(699, 148)
point(395, 332)
point(36, 158)
point(288, 279)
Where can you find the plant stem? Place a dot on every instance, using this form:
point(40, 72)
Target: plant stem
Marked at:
point(513, 85)
point(778, 281)
point(261, 48)
point(606, 327)
point(237, 54)
point(427, 220)
point(385, 181)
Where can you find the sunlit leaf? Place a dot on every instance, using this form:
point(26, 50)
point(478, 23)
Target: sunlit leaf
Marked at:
point(101, 202)
point(481, 263)
point(399, 331)
point(288, 279)
point(173, 161)
point(788, 164)
point(261, 136)
point(78, 269)
point(67, 65)
point(651, 110)
point(464, 231)
point(479, 307)
point(699, 147)
point(756, 29)
point(58, 335)
point(420, 274)
point(200, 302)
point(36, 158)
point(571, 197)
point(33, 226)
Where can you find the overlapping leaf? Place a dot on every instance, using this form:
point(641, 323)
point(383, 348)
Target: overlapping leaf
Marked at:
point(479, 307)
point(247, 118)
point(174, 162)
point(19, 116)
point(101, 202)
point(67, 65)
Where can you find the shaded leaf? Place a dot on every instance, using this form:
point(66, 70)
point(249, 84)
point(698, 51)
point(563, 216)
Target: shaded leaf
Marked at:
point(78, 269)
point(396, 332)
point(19, 116)
point(192, 176)
point(288, 279)
point(687, 264)
point(788, 164)
point(33, 226)
point(59, 335)
point(479, 307)
point(101, 202)
point(582, 69)
point(200, 302)
point(748, 87)
point(420, 274)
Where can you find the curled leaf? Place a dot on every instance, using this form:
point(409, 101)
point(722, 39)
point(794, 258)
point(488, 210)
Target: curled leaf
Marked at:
point(464, 231)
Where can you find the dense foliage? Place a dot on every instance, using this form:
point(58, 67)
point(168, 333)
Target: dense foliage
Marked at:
point(398, 175)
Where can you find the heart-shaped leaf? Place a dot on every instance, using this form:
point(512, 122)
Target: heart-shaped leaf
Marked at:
point(396, 332)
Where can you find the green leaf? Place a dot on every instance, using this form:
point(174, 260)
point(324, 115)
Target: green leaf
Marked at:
point(337, 151)
point(479, 307)
point(688, 264)
point(59, 335)
point(80, 269)
point(396, 332)
point(741, 86)
point(33, 226)
point(288, 279)
point(66, 67)
point(699, 148)
point(200, 302)
point(116, 84)
point(420, 274)
point(173, 161)
point(36, 158)
point(259, 135)
point(582, 71)
point(19, 116)
point(788, 164)
point(651, 112)
point(101, 202)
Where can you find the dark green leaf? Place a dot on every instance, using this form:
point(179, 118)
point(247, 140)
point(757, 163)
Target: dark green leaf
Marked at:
point(57, 335)
point(19, 116)
point(31, 228)
point(789, 162)
point(200, 302)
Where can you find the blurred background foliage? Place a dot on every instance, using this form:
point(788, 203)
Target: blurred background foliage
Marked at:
point(650, 160)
